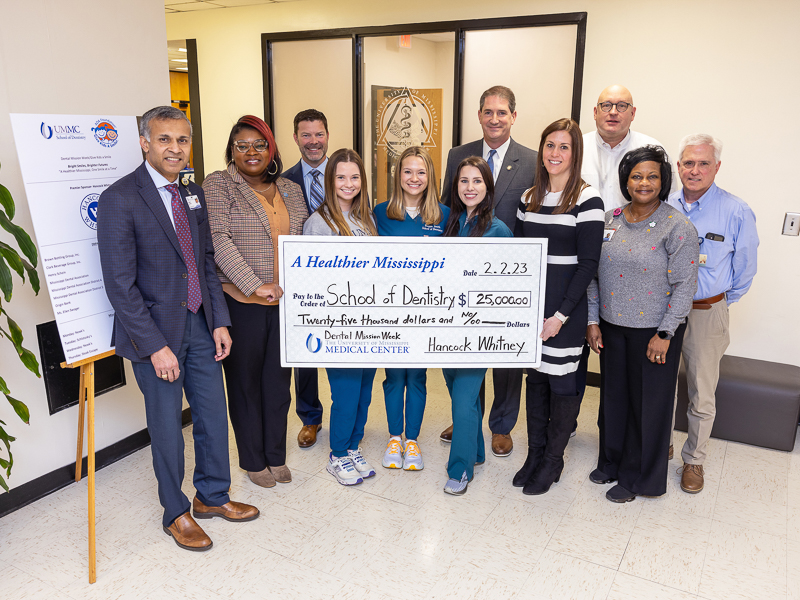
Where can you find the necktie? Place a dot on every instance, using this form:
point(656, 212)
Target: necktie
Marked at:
point(317, 194)
point(185, 239)
point(490, 160)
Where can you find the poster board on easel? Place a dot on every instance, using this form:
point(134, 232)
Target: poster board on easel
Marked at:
point(66, 163)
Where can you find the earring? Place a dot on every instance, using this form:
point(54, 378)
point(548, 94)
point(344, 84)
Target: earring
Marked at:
point(276, 168)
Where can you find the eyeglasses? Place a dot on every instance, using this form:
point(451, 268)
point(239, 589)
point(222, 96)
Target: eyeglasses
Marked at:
point(258, 146)
point(621, 106)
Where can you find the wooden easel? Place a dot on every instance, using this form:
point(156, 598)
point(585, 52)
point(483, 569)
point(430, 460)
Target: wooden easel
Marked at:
point(86, 398)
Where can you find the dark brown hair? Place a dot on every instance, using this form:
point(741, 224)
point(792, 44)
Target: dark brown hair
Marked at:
point(483, 212)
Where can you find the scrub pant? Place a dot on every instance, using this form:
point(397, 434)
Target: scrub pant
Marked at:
point(467, 446)
point(411, 384)
point(351, 394)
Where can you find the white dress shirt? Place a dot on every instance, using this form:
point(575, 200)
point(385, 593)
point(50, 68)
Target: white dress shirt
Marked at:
point(601, 165)
point(498, 158)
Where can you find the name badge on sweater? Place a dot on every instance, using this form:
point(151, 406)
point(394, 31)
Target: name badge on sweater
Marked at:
point(193, 202)
point(608, 234)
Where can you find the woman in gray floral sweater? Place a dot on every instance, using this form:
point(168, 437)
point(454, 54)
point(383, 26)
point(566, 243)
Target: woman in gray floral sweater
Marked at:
point(637, 311)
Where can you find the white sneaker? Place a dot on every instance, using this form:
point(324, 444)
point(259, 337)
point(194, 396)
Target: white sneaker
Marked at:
point(393, 457)
point(412, 457)
point(457, 487)
point(344, 470)
point(362, 466)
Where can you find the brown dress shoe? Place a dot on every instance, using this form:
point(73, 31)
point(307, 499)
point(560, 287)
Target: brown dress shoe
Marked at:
point(188, 534)
point(502, 444)
point(671, 452)
point(308, 435)
point(281, 474)
point(447, 435)
point(263, 478)
point(230, 511)
point(692, 479)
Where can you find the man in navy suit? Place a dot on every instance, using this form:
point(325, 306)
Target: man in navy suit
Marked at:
point(311, 137)
point(171, 321)
point(513, 167)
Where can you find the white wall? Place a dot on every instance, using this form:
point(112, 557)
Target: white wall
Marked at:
point(722, 66)
point(54, 59)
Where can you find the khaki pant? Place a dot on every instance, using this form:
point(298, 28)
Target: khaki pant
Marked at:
point(705, 342)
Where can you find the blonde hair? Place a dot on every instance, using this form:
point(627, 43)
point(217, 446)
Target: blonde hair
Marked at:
point(360, 210)
point(429, 208)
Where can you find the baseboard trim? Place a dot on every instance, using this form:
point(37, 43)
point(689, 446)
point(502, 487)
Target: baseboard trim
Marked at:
point(55, 480)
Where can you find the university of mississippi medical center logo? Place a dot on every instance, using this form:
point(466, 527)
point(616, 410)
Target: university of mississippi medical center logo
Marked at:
point(406, 118)
point(105, 133)
point(313, 343)
point(89, 210)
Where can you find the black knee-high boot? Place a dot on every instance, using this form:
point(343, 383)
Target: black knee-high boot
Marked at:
point(563, 411)
point(537, 409)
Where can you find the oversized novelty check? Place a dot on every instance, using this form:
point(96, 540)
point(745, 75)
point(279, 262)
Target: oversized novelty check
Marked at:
point(411, 302)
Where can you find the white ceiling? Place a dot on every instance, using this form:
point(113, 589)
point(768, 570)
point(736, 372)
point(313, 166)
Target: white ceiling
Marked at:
point(173, 6)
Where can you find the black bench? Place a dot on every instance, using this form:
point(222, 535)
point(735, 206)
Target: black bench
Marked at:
point(758, 403)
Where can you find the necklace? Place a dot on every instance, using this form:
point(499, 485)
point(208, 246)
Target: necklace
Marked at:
point(264, 190)
point(633, 219)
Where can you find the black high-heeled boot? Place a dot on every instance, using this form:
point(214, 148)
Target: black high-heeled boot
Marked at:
point(537, 409)
point(563, 412)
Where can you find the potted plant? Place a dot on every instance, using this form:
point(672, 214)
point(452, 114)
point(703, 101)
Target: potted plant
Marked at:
point(10, 260)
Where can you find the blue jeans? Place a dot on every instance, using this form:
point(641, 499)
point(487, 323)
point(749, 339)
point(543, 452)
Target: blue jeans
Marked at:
point(351, 394)
point(467, 445)
point(411, 384)
point(201, 378)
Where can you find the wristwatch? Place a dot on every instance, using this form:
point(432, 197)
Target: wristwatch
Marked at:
point(665, 335)
point(561, 318)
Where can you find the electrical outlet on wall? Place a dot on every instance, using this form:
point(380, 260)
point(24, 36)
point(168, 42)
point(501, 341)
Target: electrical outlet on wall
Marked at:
point(791, 224)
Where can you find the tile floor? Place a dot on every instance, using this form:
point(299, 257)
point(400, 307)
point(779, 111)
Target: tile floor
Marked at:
point(399, 535)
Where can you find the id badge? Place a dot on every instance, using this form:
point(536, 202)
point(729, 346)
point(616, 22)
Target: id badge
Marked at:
point(703, 260)
point(193, 202)
point(608, 234)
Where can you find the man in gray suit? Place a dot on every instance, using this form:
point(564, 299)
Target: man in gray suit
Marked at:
point(513, 167)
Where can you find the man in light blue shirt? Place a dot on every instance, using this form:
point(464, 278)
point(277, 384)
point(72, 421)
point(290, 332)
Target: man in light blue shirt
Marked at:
point(311, 137)
point(726, 227)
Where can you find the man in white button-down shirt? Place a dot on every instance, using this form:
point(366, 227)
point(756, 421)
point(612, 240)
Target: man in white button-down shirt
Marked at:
point(603, 149)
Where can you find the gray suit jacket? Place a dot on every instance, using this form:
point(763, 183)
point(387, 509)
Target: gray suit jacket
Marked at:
point(516, 176)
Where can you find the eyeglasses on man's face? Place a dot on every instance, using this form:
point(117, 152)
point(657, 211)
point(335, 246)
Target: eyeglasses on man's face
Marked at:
point(607, 106)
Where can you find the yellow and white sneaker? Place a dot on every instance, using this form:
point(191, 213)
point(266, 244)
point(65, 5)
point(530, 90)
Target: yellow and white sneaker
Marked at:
point(412, 457)
point(393, 457)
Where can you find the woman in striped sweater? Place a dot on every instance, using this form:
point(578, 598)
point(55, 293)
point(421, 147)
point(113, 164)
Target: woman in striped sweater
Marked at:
point(564, 209)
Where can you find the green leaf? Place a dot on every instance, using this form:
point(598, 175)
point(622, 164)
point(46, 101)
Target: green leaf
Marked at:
point(7, 201)
point(6, 285)
point(4, 388)
point(29, 360)
point(19, 407)
point(3, 483)
point(13, 259)
point(23, 239)
point(33, 275)
point(16, 333)
point(4, 463)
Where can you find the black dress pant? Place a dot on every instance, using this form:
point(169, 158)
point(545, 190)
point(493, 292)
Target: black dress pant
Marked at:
point(507, 392)
point(258, 387)
point(636, 402)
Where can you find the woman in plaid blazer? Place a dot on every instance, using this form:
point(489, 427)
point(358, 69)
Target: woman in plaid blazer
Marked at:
point(249, 207)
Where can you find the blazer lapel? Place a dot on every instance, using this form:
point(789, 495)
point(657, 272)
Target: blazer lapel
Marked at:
point(149, 193)
point(191, 216)
point(507, 172)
